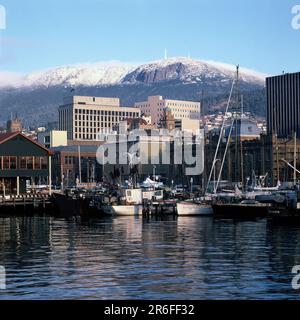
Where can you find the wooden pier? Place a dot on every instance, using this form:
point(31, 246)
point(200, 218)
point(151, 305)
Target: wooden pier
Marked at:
point(160, 208)
point(25, 202)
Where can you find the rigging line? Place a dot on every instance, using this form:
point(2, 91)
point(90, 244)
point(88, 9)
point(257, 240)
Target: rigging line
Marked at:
point(220, 137)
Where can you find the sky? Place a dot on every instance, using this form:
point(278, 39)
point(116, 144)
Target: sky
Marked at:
point(256, 34)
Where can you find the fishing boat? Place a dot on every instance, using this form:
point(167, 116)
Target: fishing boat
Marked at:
point(127, 210)
point(243, 210)
point(286, 210)
point(187, 208)
point(128, 205)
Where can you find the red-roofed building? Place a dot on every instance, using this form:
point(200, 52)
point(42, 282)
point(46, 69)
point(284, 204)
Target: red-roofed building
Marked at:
point(22, 160)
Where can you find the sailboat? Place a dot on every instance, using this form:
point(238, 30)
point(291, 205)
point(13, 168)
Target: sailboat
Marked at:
point(203, 207)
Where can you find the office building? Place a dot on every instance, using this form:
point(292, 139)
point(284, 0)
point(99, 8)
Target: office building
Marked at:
point(283, 105)
point(84, 117)
point(156, 107)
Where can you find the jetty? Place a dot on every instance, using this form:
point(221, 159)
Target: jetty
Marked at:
point(26, 202)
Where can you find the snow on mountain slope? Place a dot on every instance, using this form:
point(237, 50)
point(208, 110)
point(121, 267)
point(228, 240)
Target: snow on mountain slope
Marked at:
point(115, 73)
point(188, 70)
point(97, 74)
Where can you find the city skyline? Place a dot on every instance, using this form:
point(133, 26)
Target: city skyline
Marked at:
point(255, 34)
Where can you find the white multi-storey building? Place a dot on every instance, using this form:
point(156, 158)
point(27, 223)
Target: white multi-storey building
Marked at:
point(84, 117)
point(156, 106)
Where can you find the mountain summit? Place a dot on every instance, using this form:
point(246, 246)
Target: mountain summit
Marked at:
point(189, 71)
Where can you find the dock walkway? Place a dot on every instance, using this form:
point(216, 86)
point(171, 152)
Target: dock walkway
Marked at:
point(26, 202)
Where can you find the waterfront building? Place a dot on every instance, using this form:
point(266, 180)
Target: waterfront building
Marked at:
point(22, 161)
point(84, 117)
point(243, 161)
point(244, 129)
point(53, 138)
point(283, 104)
point(67, 169)
point(287, 149)
point(154, 157)
point(156, 107)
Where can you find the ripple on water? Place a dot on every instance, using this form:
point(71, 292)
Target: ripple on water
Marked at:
point(188, 258)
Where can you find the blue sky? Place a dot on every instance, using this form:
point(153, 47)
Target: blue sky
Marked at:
point(257, 34)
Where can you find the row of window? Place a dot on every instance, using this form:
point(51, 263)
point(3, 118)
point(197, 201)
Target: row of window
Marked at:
point(69, 160)
point(88, 130)
point(91, 119)
point(169, 104)
point(86, 136)
point(106, 113)
point(23, 163)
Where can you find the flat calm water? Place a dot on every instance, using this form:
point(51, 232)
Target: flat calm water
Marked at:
point(132, 258)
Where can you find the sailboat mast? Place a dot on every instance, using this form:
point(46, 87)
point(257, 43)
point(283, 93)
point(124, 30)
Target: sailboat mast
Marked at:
point(220, 138)
point(295, 158)
point(241, 141)
point(237, 108)
point(276, 146)
point(79, 159)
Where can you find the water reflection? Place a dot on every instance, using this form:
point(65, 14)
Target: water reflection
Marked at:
point(132, 258)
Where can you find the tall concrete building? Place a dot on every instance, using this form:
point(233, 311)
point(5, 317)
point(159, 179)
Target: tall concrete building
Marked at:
point(156, 107)
point(84, 117)
point(283, 104)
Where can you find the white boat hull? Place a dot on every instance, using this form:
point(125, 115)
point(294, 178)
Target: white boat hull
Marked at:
point(193, 209)
point(133, 210)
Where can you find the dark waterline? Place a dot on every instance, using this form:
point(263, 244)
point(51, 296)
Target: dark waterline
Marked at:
point(131, 258)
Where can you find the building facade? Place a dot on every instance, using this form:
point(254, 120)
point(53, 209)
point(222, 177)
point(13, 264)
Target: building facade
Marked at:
point(157, 105)
point(283, 105)
point(74, 163)
point(22, 160)
point(53, 138)
point(84, 117)
point(243, 161)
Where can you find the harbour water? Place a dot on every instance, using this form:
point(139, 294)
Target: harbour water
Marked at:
point(134, 258)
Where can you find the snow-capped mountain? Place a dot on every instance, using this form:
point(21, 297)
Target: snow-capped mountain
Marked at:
point(114, 73)
point(36, 97)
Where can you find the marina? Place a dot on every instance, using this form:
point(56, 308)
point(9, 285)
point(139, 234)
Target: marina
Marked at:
point(150, 150)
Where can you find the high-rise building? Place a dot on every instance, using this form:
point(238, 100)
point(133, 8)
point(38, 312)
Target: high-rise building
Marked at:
point(283, 104)
point(156, 107)
point(84, 117)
